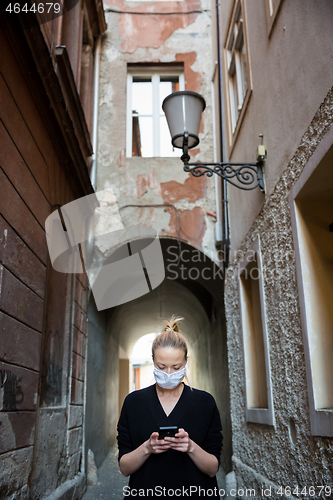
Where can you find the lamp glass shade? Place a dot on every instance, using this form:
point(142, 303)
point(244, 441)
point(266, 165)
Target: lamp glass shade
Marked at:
point(183, 113)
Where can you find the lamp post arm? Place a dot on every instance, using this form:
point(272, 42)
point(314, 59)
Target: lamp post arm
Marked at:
point(246, 176)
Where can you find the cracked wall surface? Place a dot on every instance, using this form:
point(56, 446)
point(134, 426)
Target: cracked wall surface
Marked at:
point(158, 38)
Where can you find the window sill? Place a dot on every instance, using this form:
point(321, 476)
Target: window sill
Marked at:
point(260, 416)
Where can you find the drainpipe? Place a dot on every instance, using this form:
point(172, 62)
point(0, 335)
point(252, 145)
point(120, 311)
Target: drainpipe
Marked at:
point(225, 210)
point(217, 179)
point(93, 171)
point(93, 176)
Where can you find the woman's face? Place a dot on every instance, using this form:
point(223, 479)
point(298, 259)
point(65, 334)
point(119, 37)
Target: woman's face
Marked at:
point(168, 359)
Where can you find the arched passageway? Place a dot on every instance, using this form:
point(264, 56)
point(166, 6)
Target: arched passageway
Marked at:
point(192, 289)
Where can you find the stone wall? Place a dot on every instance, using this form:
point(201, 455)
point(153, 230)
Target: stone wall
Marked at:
point(285, 454)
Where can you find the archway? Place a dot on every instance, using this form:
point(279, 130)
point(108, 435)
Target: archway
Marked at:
point(192, 289)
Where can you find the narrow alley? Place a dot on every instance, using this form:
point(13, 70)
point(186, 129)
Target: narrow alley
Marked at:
point(164, 158)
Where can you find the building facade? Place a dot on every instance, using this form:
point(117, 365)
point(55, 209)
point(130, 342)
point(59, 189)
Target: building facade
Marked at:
point(250, 272)
point(46, 122)
point(277, 82)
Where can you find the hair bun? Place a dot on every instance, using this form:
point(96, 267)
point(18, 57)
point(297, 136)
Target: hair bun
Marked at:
point(172, 324)
point(170, 336)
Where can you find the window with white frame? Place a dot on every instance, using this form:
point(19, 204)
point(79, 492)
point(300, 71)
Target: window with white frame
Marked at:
point(259, 403)
point(237, 65)
point(147, 130)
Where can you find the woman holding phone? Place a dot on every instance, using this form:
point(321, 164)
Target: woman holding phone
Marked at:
point(184, 465)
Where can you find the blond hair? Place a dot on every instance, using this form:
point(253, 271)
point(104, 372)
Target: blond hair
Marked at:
point(170, 337)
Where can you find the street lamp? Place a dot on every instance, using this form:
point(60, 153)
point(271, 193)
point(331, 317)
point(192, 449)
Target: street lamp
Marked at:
point(183, 113)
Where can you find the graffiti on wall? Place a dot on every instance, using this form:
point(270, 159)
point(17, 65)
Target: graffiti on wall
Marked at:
point(11, 393)
point(51, 381)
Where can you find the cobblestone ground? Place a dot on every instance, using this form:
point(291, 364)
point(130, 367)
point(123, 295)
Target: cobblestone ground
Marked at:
point(111, 481)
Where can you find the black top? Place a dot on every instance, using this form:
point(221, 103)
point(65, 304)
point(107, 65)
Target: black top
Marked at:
point(196, 412)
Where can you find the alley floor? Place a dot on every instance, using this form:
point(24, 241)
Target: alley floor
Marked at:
point(111, 481)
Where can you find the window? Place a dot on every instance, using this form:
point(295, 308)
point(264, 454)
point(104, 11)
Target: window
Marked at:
point(147, 130)
point(237, 68)
point(311, 201)
point(272, 8)
point(259, 406)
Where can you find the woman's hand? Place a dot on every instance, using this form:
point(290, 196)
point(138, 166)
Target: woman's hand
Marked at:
point(155, 445)
point(132, 461)
point(206, 462)
point(181, 441)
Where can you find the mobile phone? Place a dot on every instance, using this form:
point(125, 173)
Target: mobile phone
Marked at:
point(167, 431)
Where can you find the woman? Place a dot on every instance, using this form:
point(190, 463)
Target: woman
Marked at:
point(181, 466)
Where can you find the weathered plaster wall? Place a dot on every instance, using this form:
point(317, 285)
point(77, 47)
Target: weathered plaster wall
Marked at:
point(286, 454)
point(155, 38)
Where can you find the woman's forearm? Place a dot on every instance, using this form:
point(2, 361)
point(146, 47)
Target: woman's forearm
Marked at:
point(132, 461)
point(206, 462)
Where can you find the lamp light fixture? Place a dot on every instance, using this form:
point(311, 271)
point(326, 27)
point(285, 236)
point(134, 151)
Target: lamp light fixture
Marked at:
point(183, 113)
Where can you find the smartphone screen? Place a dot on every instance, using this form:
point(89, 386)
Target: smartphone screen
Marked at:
point(167, 431)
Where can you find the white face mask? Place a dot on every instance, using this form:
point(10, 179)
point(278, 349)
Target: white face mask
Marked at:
point(169, 380)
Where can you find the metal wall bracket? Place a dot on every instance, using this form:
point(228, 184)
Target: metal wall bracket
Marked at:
point(246, 176)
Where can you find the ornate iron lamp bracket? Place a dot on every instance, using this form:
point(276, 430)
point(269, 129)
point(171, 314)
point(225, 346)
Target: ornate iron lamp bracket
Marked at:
point(244, 176)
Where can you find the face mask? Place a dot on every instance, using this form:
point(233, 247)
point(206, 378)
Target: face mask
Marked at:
point(169, 380)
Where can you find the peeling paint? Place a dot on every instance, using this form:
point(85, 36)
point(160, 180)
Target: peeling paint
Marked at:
point(192, 190)
point(153, 30)
point(120, 159)
point(143, 181)
point(192, 78)
point(157, 181)
point(191, 225)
